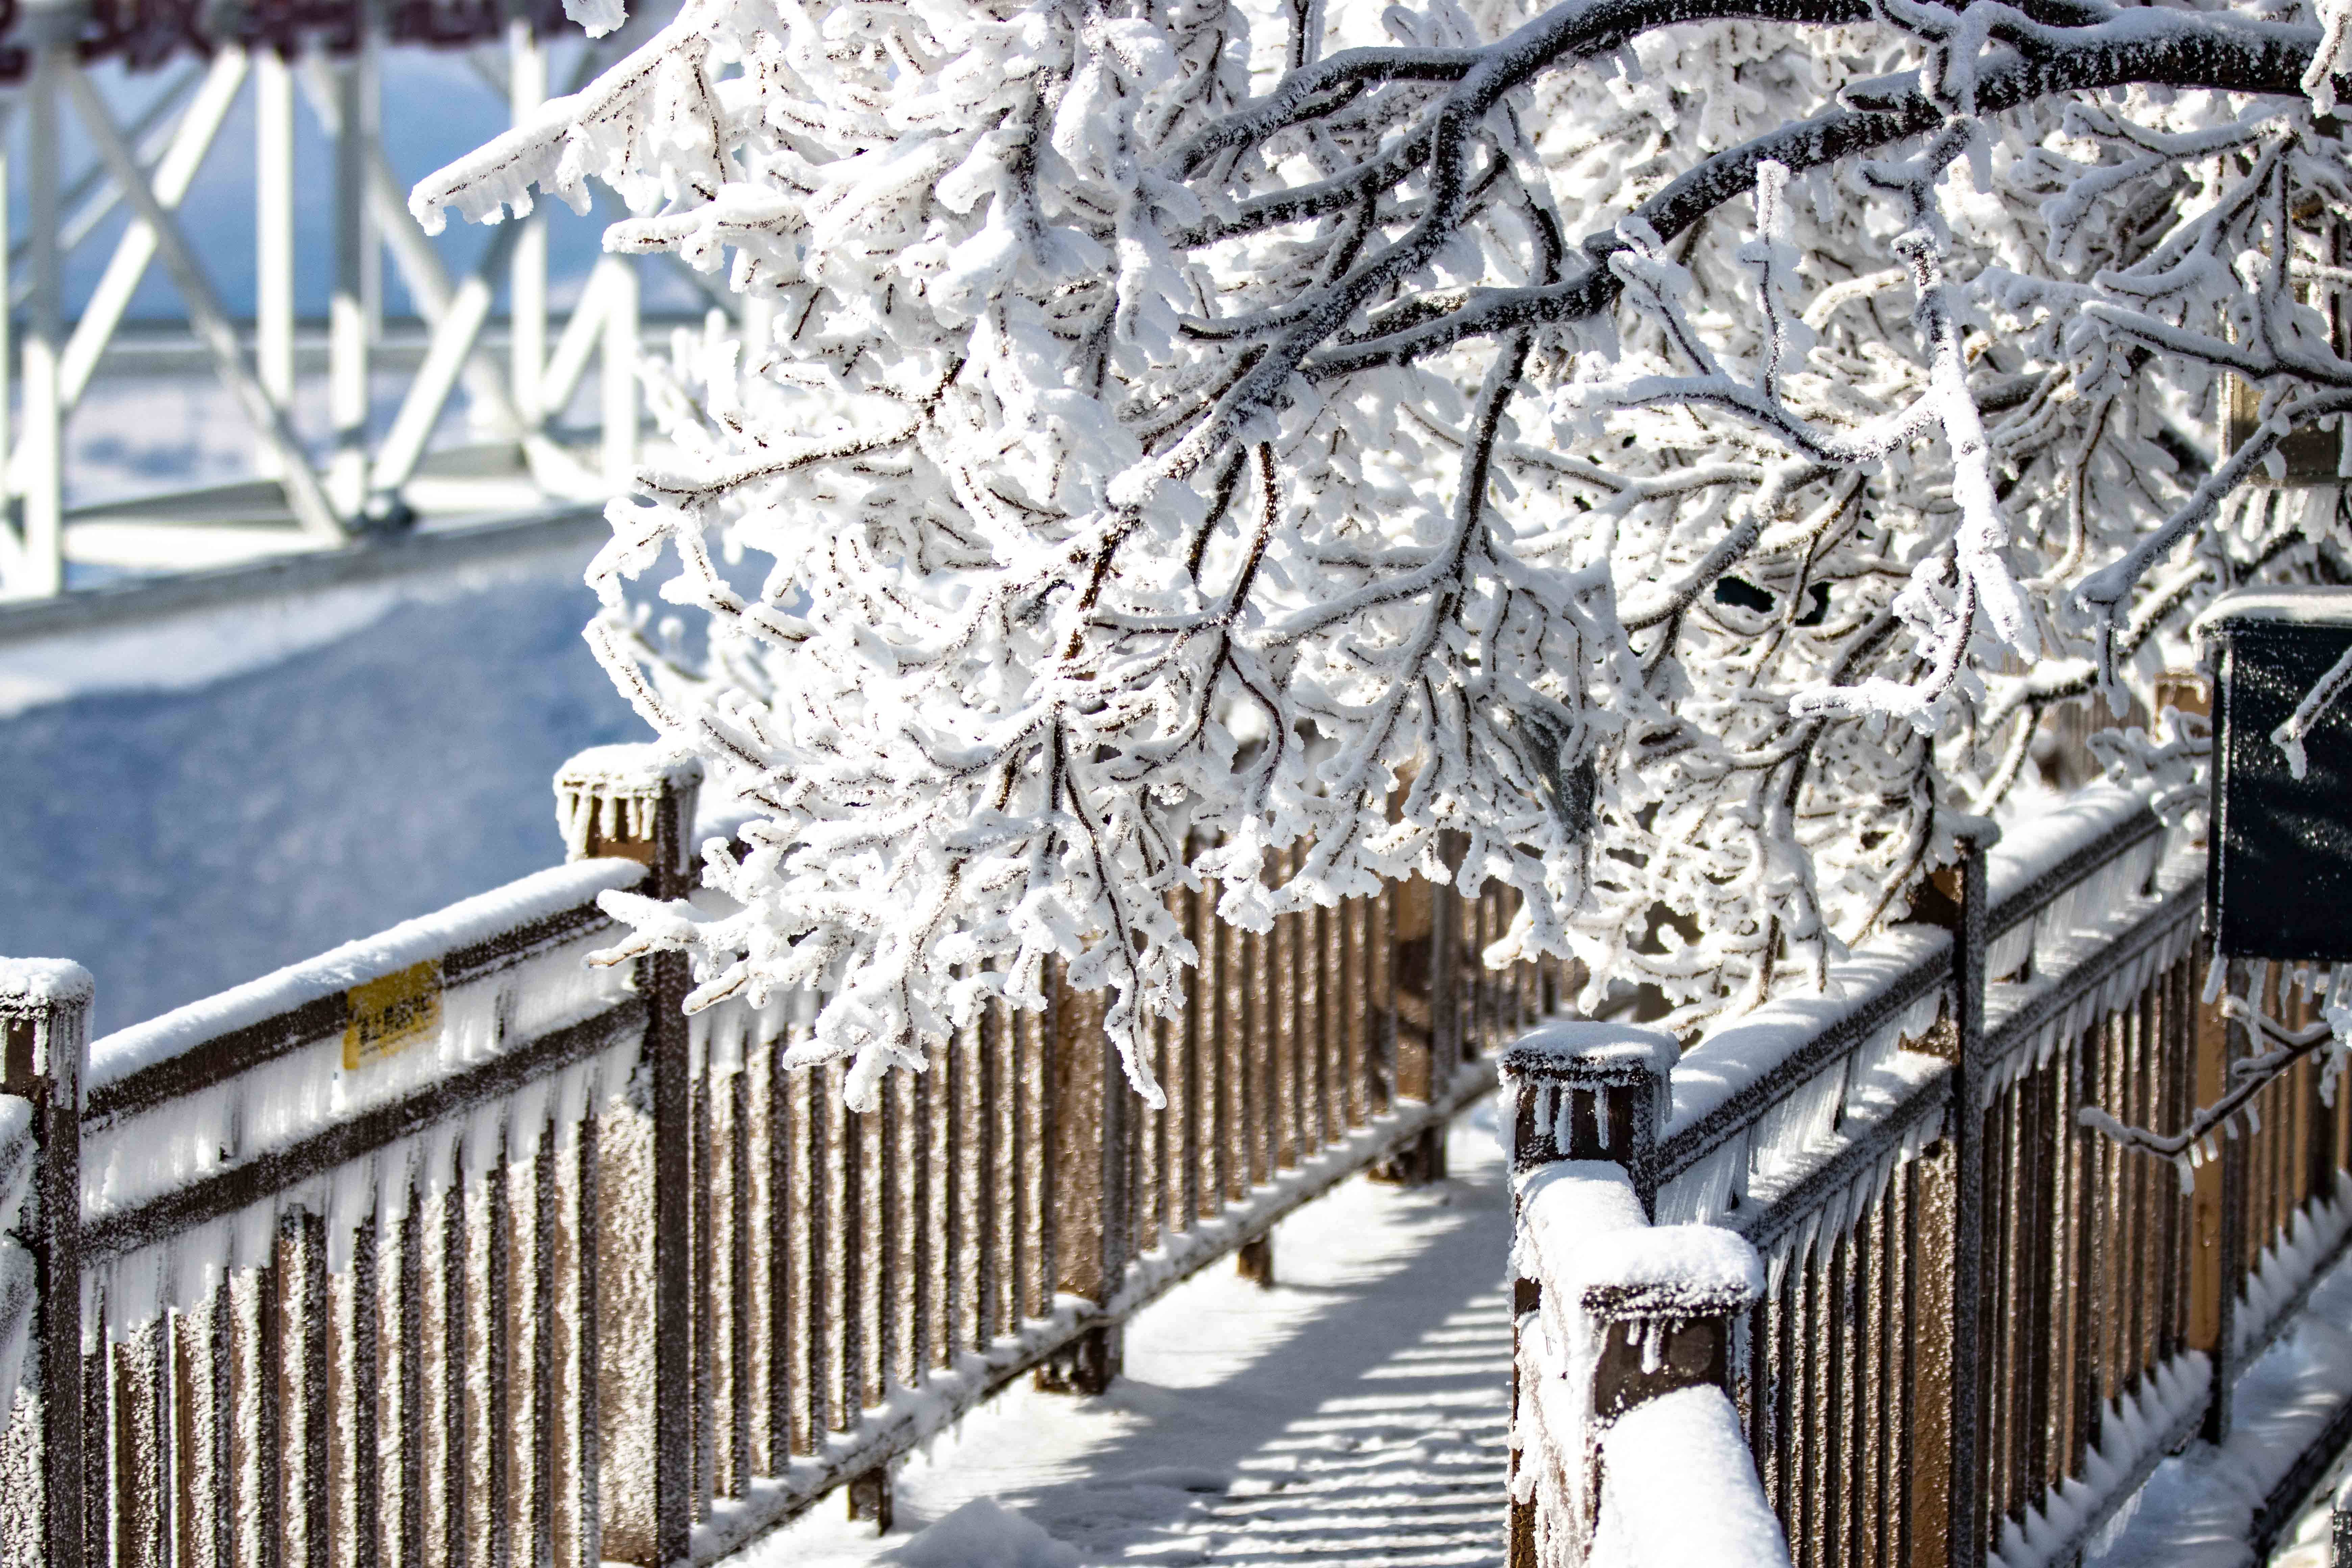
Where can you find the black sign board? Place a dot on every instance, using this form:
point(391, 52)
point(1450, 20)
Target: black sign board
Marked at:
point(2278, 876)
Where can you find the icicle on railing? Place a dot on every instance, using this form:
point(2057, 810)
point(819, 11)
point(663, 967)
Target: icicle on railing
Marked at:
point(609, 798)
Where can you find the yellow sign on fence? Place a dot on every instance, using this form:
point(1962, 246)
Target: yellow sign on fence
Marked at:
point(393, 1013)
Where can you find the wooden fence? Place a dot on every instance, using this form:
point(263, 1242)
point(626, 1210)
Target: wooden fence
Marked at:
point(447, 1250)
point(1984, 1324)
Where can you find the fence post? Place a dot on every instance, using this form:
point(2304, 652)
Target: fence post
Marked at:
point(1093, 1229)
point(1965, 1542)
point(1584, 1091)
point(1575, 1092)
point(44, 1035)
point(637, 802)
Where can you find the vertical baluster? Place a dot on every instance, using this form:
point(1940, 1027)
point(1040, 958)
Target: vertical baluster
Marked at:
point(2144, 1179)
point(360, 1408)
point(1760, 1390)
point(740, 1302)
point(1196, 1034)
point(1894, 1405)
point(930, 1315)
point(2022, 1349)
point(451, 1365)
point(1812, 1526)
point(197, 1479)
point(1331, 1022)
point(889, 1237)
point(2094, 1252)
point(1035, 1037)
point(1020, 1208)
point(506, 1428)
point(553, 1523)
point(1257, 1056)
point(1381, 983)
point(1788, 1351)
point(815, 1207)
point(555, 1528)
point(1279, 1031)
point(1216, 1082)
point(2081, 1254)
point(857, 1257)
point(141, 1373)
point(2047, 1348)
point(956, 1262)
point(1355, 1031)
point(782, 1229)
point(1872, 1394)
point(493, 1417)
point(1837, 1389)
point(2113, 1223)
point(1151, 1150)
point(409, 1326)
point(2181, 1032)
point(1340, 1005)
point(590, 1227)
point(2019, 1349)
point(1932, 1352)
point(1240, 1069)
point(702, 1253)
point(987, 1205)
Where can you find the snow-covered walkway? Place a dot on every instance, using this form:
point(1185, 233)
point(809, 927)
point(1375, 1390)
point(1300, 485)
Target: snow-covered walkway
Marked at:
point(1353, 1415)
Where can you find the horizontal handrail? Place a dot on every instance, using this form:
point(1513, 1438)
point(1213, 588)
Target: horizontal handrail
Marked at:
point(1734, 1077)
point(207, 1041)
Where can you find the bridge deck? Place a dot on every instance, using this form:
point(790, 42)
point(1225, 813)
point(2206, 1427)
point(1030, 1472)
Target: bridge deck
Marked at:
point(1354, 1415)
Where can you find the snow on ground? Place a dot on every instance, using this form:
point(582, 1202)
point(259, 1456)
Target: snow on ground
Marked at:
point(196, 803)
point(1355, 1414)
point(2196, 1508)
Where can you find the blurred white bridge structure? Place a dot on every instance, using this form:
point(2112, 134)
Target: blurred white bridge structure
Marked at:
point(483, 404)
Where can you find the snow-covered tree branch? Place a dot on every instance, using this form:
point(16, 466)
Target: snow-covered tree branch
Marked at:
point(1680, 446)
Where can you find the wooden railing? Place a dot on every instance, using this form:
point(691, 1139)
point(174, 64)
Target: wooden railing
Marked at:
point(445, 1248)
point(1626, 1447)
point(1984, 1323)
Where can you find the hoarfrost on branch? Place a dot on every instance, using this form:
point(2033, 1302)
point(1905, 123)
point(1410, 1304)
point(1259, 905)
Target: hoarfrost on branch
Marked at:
point(1665, 456)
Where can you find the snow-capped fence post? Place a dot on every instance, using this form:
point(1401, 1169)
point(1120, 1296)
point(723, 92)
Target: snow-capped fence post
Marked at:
point(1584, 1091)
point(44, 1040)
point(637, 802)
point(1612, 1316)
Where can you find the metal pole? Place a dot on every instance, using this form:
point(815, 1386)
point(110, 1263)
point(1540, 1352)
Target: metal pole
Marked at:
point(7, 328)
point(40, 449)
point(1965, 1535)
point(348, 308)
point(273, 285)
point(526, 275)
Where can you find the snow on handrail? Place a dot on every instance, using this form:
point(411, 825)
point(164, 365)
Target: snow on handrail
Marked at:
point(470, 922)
point(1897, 979)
